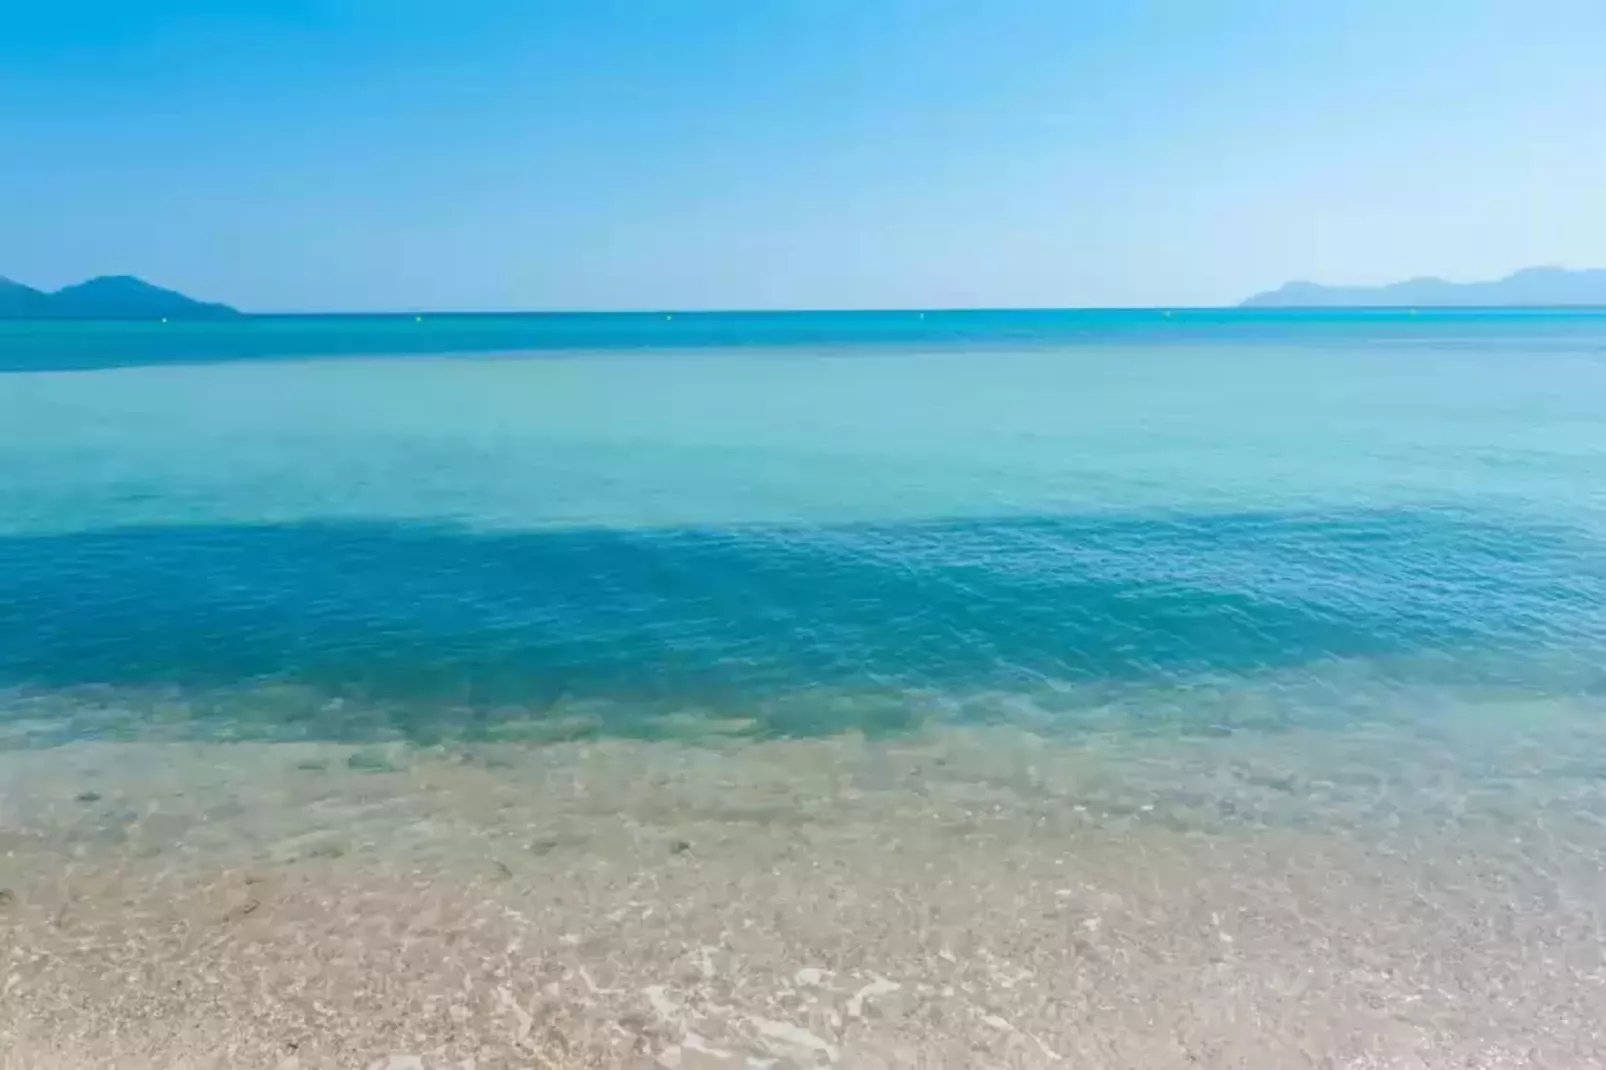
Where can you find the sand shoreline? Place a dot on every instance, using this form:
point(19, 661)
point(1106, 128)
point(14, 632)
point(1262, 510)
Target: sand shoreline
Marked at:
point(965, 897)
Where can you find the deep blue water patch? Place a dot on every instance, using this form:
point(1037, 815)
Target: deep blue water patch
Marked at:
point(44, 345)
point(416, 619)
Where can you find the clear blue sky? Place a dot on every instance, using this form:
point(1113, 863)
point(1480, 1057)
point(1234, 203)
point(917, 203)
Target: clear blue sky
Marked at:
point(486, 154)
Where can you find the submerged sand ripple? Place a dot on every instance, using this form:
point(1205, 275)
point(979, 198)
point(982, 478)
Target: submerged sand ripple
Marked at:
point(963, 898)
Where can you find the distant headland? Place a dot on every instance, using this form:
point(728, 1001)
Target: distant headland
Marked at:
point(108, 297)
point(124, 297)
point(1528, 287)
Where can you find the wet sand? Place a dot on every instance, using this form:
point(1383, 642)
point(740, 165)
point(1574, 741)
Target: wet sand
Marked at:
point(957, 898)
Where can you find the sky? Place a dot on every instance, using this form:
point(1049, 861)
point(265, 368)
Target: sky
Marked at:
point(330, 155)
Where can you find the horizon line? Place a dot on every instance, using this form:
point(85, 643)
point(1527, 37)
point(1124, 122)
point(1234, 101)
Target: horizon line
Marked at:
point(422, 313)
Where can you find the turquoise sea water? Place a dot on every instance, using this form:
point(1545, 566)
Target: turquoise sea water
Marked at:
point(796, 524)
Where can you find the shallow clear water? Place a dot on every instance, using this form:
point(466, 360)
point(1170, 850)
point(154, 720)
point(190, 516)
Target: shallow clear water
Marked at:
point(798, 524)
point(1012, 689)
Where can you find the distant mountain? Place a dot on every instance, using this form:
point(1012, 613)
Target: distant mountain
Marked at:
point(106, 297)
point(1530, 286)
point(18, 301)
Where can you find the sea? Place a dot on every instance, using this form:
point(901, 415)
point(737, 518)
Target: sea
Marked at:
point(1243, 574)
point(806, 522)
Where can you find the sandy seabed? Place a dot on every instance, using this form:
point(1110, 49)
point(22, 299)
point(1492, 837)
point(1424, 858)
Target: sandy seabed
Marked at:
point(978, 897)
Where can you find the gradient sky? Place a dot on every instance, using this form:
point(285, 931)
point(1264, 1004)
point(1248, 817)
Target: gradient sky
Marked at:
point(494, 154)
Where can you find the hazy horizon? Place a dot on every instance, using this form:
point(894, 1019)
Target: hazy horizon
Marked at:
point(1338, 297)
point(321, 157)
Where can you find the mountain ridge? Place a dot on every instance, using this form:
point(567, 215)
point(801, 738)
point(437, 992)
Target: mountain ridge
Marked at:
point(1534, 286)
point(105, 297)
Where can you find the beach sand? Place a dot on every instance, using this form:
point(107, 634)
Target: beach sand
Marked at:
point(958, 897)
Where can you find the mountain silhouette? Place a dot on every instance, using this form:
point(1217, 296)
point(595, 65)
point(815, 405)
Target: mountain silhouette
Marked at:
point(105, 297)
point(1528, 287)
point(20, 302)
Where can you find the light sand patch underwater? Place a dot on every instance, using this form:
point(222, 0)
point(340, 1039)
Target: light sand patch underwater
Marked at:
point(956, 898)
